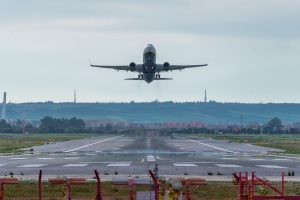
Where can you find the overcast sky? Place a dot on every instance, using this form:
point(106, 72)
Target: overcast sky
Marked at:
point(252, 48)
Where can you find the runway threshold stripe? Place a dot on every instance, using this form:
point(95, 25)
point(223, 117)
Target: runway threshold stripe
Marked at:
point(228, 165)
point(32, 165)
point(208, 145)
point(119, 165)
point(272, 166)
point(84, 146)
point(184, 165)
point(75, 165)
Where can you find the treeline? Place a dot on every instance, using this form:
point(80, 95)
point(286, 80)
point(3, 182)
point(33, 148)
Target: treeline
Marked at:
point(76, 125)
point(47, 125)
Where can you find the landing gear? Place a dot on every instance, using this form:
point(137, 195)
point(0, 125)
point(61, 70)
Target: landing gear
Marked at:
point(140, 76)
point(157, 76)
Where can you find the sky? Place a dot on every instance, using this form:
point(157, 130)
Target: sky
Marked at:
point(252, 48)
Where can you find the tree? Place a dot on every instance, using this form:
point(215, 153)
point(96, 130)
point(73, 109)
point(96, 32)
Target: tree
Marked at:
point(274, 126)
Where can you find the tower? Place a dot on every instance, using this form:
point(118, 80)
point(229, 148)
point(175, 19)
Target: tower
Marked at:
point(205, 97)
point(3, 116)
point(75, 98)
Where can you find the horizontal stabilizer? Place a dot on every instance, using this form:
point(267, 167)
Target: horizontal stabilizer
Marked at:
point(140, 79)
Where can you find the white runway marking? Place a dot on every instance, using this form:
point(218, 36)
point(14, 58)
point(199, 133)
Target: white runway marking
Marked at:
point(71, 158)
point(93, 144)
point(229, 159)
point(208, 145)
point(116, 148)
point(44, 158)
point(256, 159)
point(18, 158)
point(119, 165)
point(1, 165)
point(32, 165)
point(90, 154)
point(105, 162)
point(75, 165)
point(151, 159)
point(184, 165)
point(281, 159)
point(272, 166)
point(228, 165)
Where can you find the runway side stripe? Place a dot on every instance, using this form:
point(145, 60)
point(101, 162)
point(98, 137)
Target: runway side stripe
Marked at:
point(93, 144)
point(208, 145)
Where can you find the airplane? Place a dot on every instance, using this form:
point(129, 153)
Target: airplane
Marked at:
point(149, 70)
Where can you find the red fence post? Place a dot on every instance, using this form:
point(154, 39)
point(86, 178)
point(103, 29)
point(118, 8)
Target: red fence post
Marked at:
point(1, 190)
point(98, 195)
point(40, 185)
point(155, 184)
point(282, 183)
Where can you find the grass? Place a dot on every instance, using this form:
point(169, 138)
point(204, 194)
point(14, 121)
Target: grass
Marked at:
point(288, 142)
point(211, 191)
point(13, 143)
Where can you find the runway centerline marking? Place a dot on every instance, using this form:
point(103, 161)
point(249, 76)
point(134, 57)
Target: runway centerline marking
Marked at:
point(87, 145)
point(151, 158)
point(32, 165)
point(208, 145)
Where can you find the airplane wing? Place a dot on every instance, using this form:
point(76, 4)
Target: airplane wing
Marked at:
point(177, 67)
point(116, 67)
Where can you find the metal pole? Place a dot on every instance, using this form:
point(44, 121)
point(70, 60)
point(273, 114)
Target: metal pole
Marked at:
point(40, 185)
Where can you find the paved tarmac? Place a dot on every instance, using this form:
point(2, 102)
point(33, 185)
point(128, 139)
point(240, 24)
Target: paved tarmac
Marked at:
point(134, 156)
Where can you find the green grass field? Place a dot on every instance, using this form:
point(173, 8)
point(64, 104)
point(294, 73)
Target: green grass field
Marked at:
point(12, 143)
point(289, 143)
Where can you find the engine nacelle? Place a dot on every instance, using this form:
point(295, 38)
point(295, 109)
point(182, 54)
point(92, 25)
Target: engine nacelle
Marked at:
point(166, 66)
point(132, 66)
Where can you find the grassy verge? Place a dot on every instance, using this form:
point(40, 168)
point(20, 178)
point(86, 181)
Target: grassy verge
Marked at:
point(289, 143)
point(12, 143)
point(211, 191)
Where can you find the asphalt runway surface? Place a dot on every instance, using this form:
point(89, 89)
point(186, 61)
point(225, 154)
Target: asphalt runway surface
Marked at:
point(136, 155)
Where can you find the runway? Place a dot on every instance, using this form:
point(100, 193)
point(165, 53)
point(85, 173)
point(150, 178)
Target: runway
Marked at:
point(124, 155)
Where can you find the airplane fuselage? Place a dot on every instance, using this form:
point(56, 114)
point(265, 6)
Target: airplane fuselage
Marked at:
point(149, 64)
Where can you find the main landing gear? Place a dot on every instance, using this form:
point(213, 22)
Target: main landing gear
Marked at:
point(140, 76)
point(157, 75)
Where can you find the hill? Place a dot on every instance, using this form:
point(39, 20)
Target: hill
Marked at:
point(211, 112)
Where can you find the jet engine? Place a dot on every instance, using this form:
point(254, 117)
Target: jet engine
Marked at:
point(166, 66)
point(132, 66)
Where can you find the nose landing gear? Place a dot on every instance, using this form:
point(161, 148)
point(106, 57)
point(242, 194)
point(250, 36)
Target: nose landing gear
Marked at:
point(140, 76)
point(157, 76)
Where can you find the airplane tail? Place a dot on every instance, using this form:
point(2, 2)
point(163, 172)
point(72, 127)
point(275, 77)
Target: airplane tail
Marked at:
point(139, 79)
